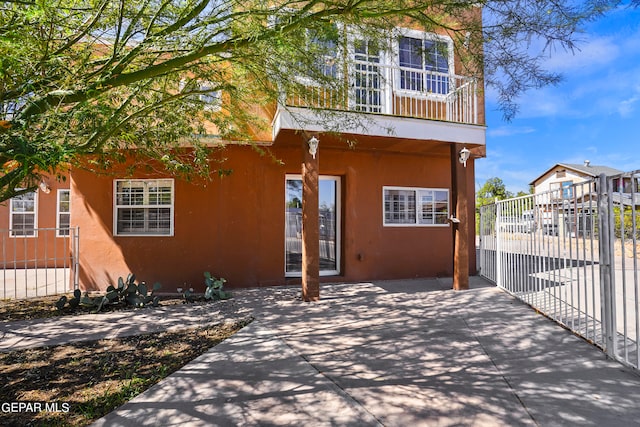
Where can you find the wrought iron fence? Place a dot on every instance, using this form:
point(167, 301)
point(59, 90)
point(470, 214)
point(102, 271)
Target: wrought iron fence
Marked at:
point(41, 263)
point(573, 255)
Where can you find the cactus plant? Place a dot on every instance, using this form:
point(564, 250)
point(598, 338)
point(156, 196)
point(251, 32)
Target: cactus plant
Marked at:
point(73, 302)
point(215, 287)
point(126, 293)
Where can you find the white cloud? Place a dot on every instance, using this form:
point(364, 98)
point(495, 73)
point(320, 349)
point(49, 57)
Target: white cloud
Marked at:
point(598, 76)
point(547, 102)
point(626, 107)
point(506, 130)
point(590, 55)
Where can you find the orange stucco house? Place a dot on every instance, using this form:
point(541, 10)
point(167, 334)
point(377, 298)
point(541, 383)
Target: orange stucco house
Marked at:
point(389, 205)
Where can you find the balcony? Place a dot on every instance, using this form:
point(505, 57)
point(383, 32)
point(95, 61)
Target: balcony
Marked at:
point(415, 103)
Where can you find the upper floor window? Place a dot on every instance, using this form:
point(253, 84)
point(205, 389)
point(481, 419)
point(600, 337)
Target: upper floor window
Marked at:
point(424, 63)
point(204, 93)
point(64, 213)
point(23, 215)
point(210, 96)
point(143, 207)
point(562, 189)
point(415, 206)
point(322, 44)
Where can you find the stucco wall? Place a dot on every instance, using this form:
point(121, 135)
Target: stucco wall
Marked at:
point(544, 184)
point(234, 226)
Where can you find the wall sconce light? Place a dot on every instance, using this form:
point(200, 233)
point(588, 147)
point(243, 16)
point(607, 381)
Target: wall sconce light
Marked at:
point(465, 153)
point(44, 187)
point(313, 146)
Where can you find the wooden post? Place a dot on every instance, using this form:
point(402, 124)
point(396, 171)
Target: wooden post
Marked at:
point(460, 205)
point(310, 225)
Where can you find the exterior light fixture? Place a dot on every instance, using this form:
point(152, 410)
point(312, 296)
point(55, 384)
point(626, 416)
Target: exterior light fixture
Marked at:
point(313, 146)
point(465, 153)
point(44, 187)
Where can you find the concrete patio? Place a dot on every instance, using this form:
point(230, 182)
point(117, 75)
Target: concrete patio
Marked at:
point(393, 353)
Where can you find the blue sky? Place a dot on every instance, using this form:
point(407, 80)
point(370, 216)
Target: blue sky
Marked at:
point(593, 114)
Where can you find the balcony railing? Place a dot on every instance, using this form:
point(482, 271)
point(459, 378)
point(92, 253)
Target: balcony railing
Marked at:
point(398, 91)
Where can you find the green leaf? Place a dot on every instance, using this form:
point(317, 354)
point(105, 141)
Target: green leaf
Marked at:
point(74, 302)
point(101, 303)
point(86, 300)
point(133, 300)
point(61, 302)
point(112, 295)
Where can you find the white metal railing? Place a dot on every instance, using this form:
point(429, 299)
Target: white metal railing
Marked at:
point(43, 263)
point(573, 255)
point(400, 91)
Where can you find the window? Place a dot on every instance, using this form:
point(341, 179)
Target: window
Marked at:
point(367, 94)
point(64, 213)
point(326, 62)
point(204, 93)
point(416, 206)
point(562, 189)
point(144, 207)
point(424, 64)
point(322, 43)
point(209, 96)
point(22, 215)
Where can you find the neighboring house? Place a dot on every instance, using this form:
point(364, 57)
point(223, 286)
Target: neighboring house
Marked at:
point(561, 178)
point(391, 206)
point(567, 195)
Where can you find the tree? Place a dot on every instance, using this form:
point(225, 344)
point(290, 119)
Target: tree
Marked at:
point(493, 189)
point(81, 81)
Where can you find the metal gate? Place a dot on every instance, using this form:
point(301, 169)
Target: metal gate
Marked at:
point(42, 262)
point(573, 255)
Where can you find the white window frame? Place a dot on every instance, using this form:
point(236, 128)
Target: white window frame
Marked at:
point(422, 35)
point(354, 36)
point(34, 213)
point(146, 182)
point(59, 213)
point(418, 206)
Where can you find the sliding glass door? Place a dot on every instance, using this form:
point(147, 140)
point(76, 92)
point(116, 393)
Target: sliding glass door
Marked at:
point(329, 211)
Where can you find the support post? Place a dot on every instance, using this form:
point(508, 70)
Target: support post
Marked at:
point(310, 224)
point(460, 195)
point(607, 279)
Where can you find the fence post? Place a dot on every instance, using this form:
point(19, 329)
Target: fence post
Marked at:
point(606, 278)
point(76, 257)
point(498, 245)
